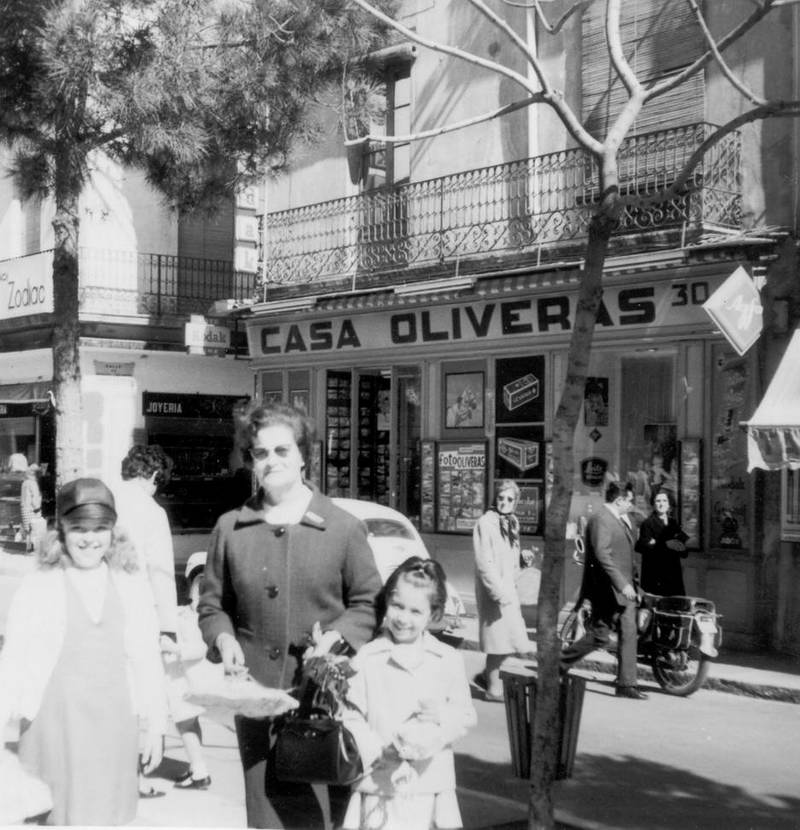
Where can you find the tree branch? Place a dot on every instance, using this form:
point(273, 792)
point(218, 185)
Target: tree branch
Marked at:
point(726, 70)
point(516, 39)
point(448, 128)
point(556, 27)
point(492, 66)
point(618, 60)
point(760, 12)
point(771, 109)
point(555, 98)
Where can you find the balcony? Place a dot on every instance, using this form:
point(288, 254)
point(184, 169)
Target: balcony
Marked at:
point(533, 210)
point(131, 284)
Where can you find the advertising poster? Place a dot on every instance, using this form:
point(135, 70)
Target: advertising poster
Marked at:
point(519, 452)
point(519, 397)
point(461, 477)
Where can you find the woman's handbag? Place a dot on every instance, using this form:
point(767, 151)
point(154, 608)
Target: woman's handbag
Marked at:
point(315, 748)
point(311, 742)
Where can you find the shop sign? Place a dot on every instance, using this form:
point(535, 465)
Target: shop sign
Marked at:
point(26, 286)
point(206, 338)
point(736, 309)
point(169, 405)
point(639, 308)
point(593, 471)
point(24, 409)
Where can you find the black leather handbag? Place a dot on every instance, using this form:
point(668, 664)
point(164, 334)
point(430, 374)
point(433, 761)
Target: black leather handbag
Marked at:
point(315, 748)
point(311, 744)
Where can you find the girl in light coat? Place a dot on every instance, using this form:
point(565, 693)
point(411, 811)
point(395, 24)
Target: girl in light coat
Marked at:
point(81, 664)
point(408, 702)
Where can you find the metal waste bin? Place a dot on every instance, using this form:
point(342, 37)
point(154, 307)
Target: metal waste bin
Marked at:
point(519, 689)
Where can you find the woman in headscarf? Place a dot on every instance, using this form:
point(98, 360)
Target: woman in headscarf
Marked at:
point(502, 630)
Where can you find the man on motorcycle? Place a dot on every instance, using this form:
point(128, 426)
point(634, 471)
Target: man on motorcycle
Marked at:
point(608, 583)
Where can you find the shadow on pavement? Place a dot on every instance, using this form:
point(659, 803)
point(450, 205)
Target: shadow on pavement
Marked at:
point(626, 792)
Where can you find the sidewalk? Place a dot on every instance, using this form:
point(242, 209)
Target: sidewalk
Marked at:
point(768, 676)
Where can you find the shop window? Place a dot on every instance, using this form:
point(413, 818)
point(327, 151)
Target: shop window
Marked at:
point(271, 384)
point(627, 430)
point(372, 436)
point(338, 430)
point(790, 505)
point(729, 515)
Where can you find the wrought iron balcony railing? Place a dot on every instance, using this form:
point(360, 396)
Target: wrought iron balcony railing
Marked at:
point(518, 207)
point(126, 283)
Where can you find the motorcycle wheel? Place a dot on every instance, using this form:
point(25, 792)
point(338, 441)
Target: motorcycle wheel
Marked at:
point(681, 680)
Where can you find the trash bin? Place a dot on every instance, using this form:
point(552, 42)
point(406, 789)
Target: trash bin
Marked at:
point(519, 689)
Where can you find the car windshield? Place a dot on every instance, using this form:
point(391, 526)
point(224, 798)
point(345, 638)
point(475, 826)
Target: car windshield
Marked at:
point(387, 527)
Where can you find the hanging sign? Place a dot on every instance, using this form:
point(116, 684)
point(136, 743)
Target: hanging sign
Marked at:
point(736, 309)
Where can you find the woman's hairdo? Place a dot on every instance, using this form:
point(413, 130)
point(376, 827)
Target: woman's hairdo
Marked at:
point(506, 484)
point(143, 460)
point(257, 416)
point(424, 573)
point(667, 492)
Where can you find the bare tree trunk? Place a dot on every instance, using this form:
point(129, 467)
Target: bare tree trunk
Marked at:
point(546, 718)
point(66, 359)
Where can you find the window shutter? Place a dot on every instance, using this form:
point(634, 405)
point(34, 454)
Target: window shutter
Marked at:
point(659, 37)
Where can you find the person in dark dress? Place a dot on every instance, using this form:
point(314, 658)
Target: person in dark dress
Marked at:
point(662, 544)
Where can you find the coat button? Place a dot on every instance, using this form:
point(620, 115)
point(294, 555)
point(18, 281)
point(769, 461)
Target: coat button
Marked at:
point(274, 653)
point(272, 591)
point(279, 531)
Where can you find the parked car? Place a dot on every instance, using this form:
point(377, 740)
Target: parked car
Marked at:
point(392, 537)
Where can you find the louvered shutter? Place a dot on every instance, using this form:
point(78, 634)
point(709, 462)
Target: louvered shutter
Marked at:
point(659, 37)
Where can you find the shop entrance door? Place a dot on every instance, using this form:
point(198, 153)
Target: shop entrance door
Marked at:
point(373, 430)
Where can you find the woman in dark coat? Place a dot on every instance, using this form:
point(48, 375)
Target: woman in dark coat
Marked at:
point(662, 544)
point(289, 576)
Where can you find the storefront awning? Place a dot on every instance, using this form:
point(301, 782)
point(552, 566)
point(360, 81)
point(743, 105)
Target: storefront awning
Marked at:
point(773, 433)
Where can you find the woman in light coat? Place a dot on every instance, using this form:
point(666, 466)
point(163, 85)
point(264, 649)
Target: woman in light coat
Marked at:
point(502, 631)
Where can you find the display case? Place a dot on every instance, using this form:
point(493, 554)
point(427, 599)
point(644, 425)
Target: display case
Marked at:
point(338, 427)
point(374, 420)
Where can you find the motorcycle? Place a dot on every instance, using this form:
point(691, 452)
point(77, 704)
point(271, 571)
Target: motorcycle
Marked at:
point(678, 636)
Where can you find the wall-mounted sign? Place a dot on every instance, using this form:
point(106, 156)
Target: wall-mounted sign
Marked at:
point(736, 308)
point(639, 308)
point(26, 286)
point(109, 367)
point(593, 471)
point(169, 405)
point(206, 338)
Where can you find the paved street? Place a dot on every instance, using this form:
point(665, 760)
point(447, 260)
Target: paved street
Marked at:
point(712, 760)
point(708, 761)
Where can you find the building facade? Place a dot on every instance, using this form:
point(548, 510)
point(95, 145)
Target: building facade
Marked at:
point(419, 296)
point(154, 368)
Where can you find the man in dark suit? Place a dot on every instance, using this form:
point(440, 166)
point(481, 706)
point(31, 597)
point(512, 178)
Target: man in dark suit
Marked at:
point(608, 583)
